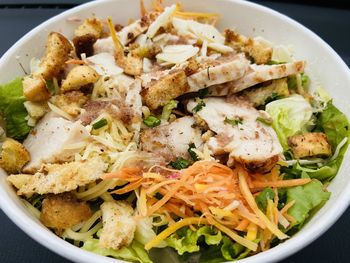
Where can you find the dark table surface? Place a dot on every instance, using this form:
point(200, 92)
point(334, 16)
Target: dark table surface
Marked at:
point(329, 19)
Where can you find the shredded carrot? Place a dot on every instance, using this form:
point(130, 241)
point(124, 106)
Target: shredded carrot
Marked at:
point(281, 183)
point(289, 218)
point(154, 188)
point(251, 202)
point(128, 188)
point(75, 61)
point(143, 10)
point(242, 225)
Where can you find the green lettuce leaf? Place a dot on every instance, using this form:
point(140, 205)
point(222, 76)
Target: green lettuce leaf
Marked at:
point(290, 115)
point(263, 197)
point(135, 252)
point(186, 240)
point(13, 110)
point(307, 197)
point(334, 124)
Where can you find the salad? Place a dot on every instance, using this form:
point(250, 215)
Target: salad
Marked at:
point(169, 140)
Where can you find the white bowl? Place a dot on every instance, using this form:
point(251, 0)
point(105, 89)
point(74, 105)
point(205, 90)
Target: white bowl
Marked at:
point(323, 64)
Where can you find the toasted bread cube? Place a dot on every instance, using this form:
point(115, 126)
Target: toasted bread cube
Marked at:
point(92, 26)
point(70, 102)
point(311, 144)
point(79, 77)
point(57, 52)
point(34, 88)
point(118, 225)
point(13, 156)
point(63, 211)
point(165, 89)
point(133, 65)
point(259, 96)
point(260, 51)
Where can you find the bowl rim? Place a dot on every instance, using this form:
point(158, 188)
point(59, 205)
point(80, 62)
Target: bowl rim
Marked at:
point(70, 252)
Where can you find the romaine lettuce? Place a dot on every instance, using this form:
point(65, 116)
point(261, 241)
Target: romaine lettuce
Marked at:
point(13, 110)
point(186, 240)
point(135, 252)
point(289, 115)
point(307, 197)
point(263, 197)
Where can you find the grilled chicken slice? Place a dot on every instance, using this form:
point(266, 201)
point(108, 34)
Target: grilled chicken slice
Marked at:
point(240, 132)
point(224, 72)
point(104, 64)
point(118, 225)
point(58, 178)
point(53, 140)
point(172, 140)
point(63, 211)
point(258, 74)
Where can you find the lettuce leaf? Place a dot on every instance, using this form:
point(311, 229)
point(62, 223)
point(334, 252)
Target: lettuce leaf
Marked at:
point(289, 116)
point(207, 243)
point(135, 252)
point(334, 124)
point(307, 197)
point(13, 110)
point(186, 240)
point(263, 197)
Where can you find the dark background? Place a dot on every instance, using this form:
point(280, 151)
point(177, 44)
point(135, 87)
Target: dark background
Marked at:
point(329, 19)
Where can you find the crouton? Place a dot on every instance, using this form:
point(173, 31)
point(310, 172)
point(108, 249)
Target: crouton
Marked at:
point(84, 44)
point(57, 52)
point(70, 102)
point(36, 109)
point(257, 49)
point(92, 26)
point(165, 89)
point(34, 88)
point(63, 211)
point(118, 225)
point(313, 144)
point(79, 77)
point(132, 65)
point(58, 178)
point(260, 96)
point(13, 156)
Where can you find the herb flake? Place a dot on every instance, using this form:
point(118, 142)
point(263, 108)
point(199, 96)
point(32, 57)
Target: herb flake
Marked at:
point(152, 121)
point(233, 122)
point(180, 163)
point(99, 124)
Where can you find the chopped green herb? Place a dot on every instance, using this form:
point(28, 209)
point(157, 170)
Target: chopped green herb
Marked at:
point(158, 196)
point(274, 62)
point(264, 121)
point(203, 92)
point(99, 124)
point(194, 156)
point(36, 200)
point(151, 121)
point(233, 122)
point(180, 163)
point(199, 106)
point(168, 108)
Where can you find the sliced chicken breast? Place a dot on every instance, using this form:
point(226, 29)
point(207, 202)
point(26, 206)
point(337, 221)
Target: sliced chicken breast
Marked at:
point(258, 74)
point(58, 178)
point(54, 139)
point(240, 132)
point(172, 140)
point(225, 72)
point(118, 225)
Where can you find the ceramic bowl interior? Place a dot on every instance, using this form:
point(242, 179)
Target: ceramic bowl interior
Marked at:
point(323, 65)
